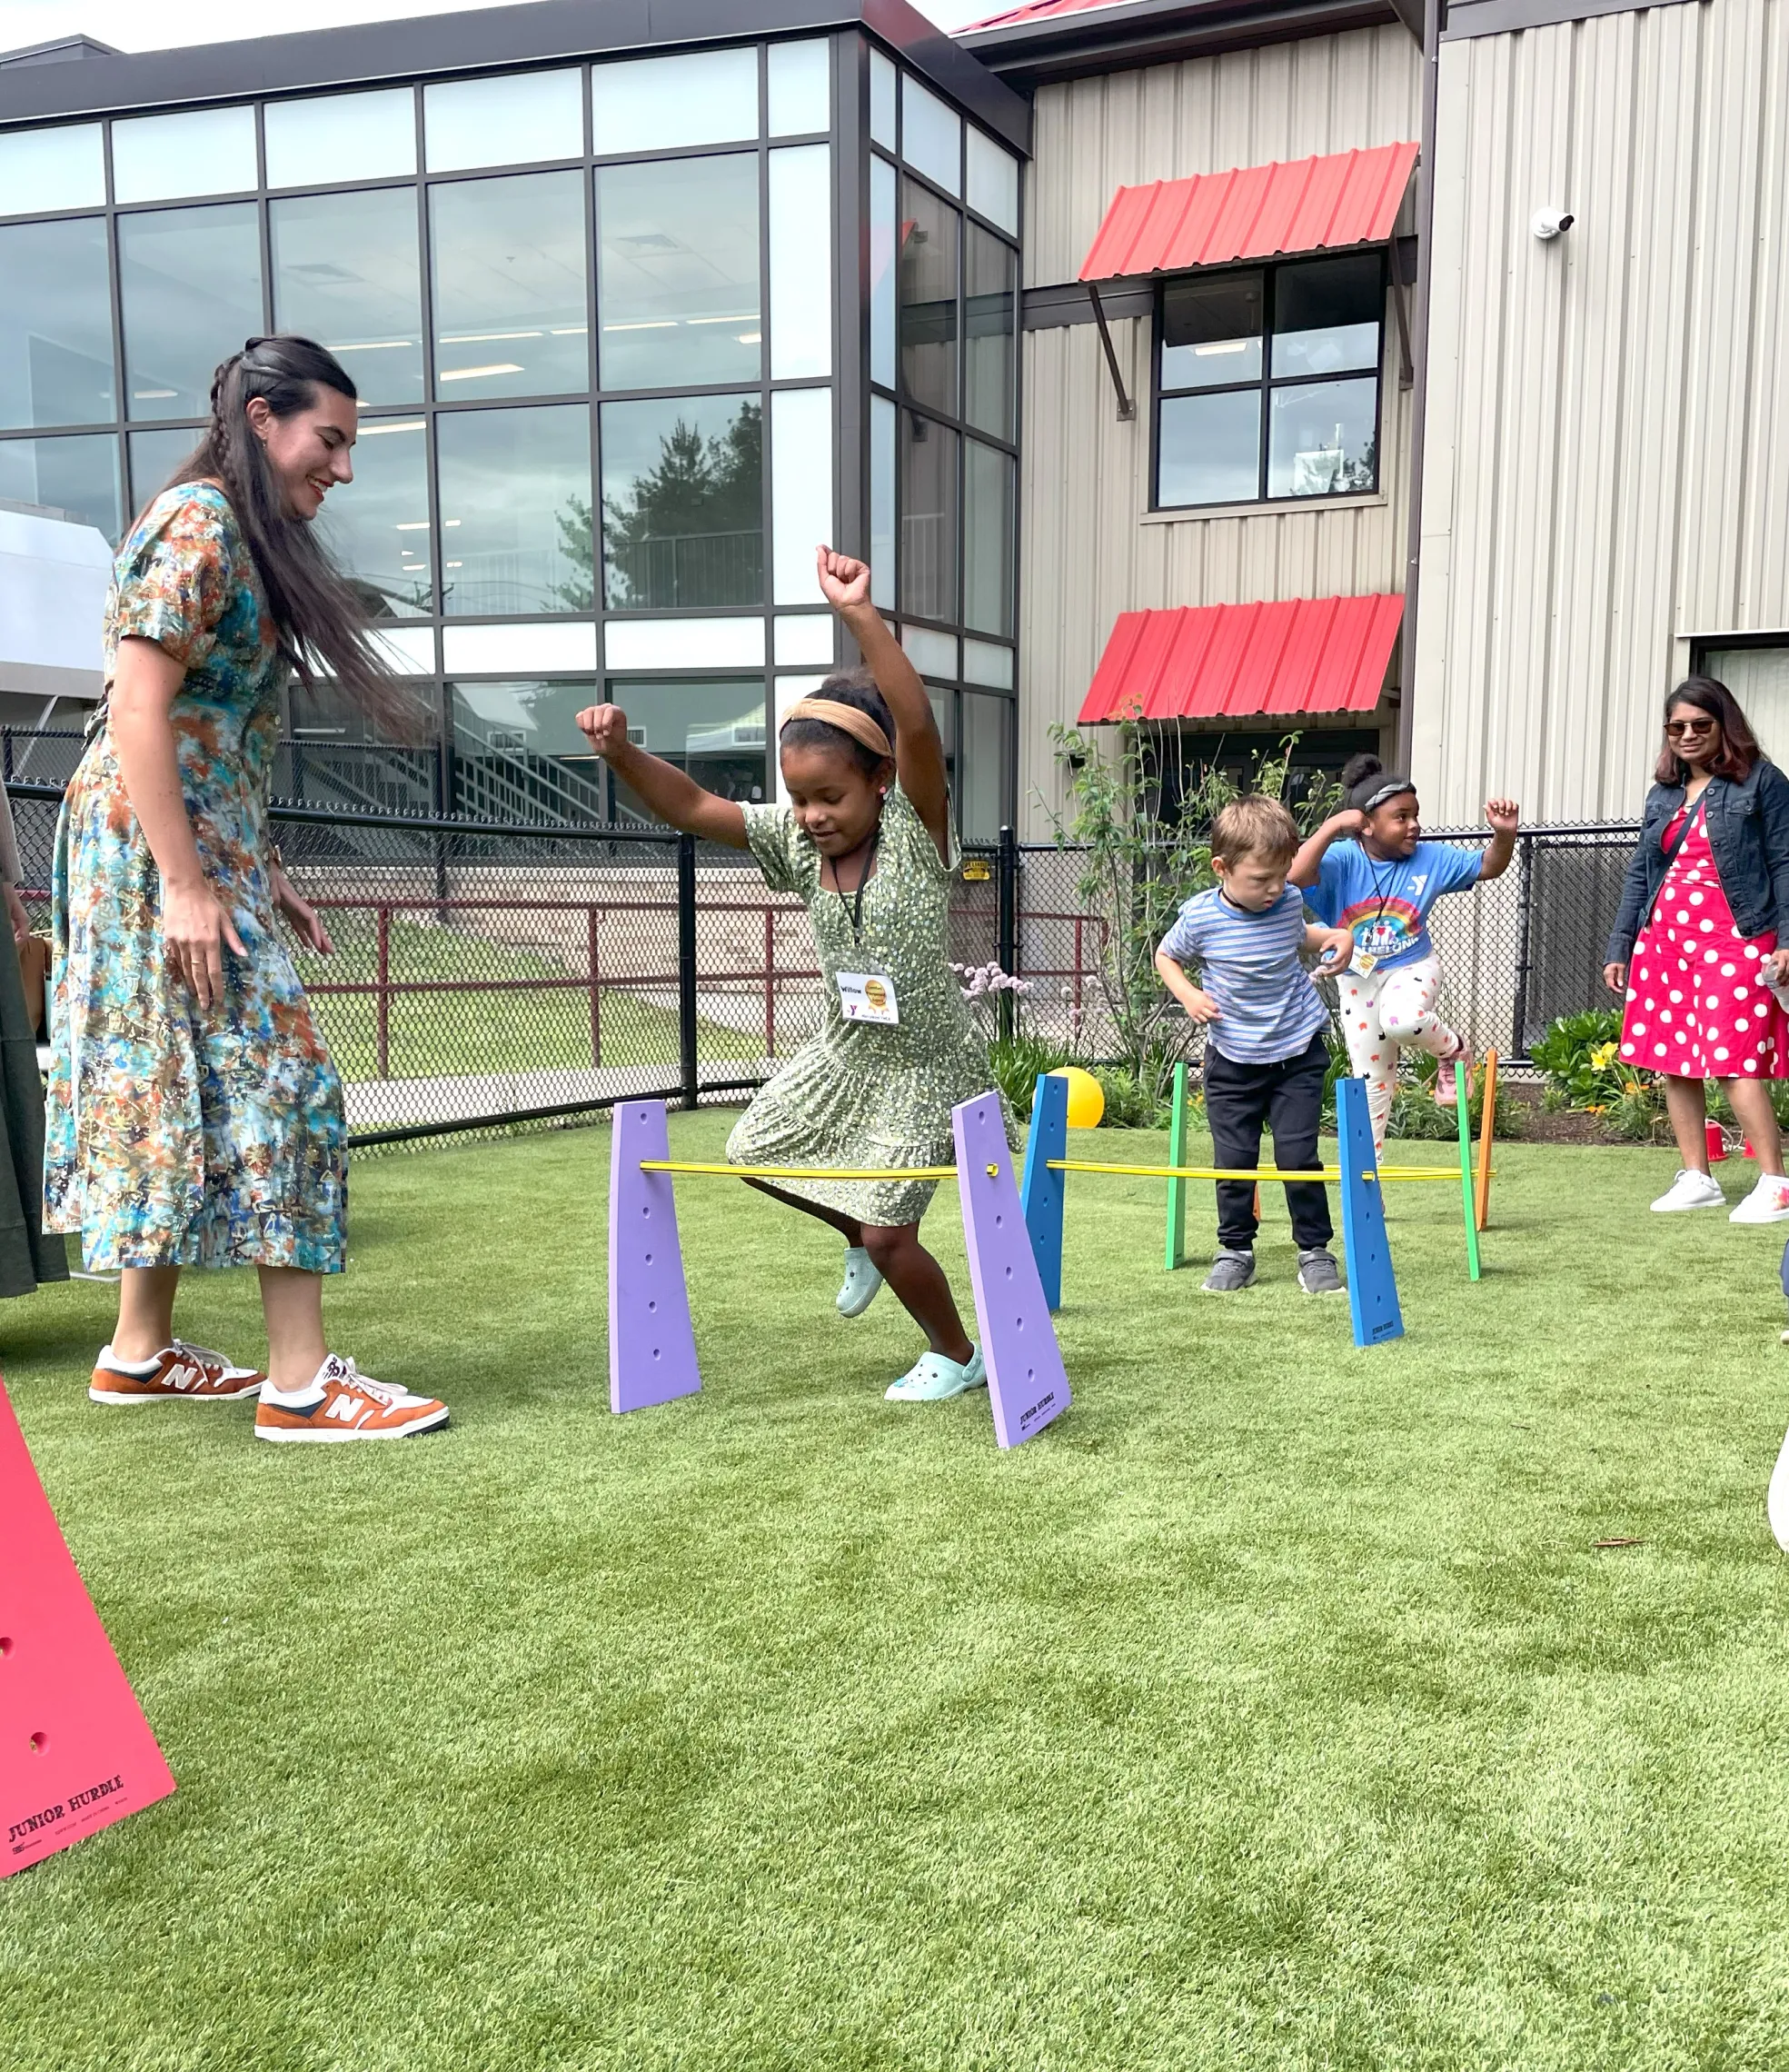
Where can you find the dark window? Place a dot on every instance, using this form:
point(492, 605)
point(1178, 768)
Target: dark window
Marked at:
point(74, 478)
point(928, 518)
point(684, 503)
point(515, 514)
point(714, 731)
point(1268, 383)
point(990, 293)
point(931, 236)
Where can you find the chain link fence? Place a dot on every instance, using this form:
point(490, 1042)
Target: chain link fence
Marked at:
point(487, 976)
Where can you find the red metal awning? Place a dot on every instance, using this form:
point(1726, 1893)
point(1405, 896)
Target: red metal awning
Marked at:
point(1308, 654)
point(1310, 204)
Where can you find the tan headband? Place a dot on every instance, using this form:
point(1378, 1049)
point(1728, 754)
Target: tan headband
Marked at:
point(847, 718)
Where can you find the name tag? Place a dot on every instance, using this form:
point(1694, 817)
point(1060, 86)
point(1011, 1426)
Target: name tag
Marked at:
point(1363, 961)
point(868, 996)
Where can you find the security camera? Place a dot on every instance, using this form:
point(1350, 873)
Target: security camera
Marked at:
point(1549, 224)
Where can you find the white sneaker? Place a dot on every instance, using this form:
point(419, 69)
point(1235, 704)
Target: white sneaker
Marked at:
point(1776, 1499)
point(862, 1282)
point(1690, 1189)
point(1768, 1201)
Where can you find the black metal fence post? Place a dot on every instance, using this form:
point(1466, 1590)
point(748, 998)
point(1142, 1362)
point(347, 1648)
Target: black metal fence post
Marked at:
point(686, 964)
point(1525, 868)
point(1008, 868)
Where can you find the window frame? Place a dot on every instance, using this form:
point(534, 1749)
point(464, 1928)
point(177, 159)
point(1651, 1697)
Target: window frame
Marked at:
point(1265, 383)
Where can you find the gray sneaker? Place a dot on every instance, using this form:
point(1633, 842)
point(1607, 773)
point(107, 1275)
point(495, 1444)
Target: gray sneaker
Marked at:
point(1229, 1272)
point(1318, 1274)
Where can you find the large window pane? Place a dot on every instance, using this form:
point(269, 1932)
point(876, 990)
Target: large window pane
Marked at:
point(1211, 331)
point(191, 280)
point(990, 293)
point(714, 731)
point(931, 135)
point(664, 104)
point(883, 91)
point(930, 235)
point(1323, 439)
point(988, 533)
point(882, 422)
point(684, 503)
point(1210, 449)
point(800, 77)
point(677, 294)
point(205, 151)
point(377, 526)
point(153, 458)
point(527, 117)
point(75, 478)
point(62, 168)
point(800, 490)
point(341, 136)
point(800, 262)
point(884, 230)
point(55, 325)
point(928, 518)
point(346, 273)
point(993, 182)
point(982, 777)
point(1326, 316)
point(515, 510)
point(511, 312)
point(537, 717)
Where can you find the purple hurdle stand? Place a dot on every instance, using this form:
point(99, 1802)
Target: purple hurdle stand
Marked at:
point(651, 1344)
point(1026, 1381)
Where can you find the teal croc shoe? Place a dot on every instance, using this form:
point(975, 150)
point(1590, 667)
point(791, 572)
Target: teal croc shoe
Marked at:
point(862, 1284)
point(935, 1380)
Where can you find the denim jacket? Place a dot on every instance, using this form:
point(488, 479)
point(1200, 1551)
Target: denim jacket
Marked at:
point(1748, 830)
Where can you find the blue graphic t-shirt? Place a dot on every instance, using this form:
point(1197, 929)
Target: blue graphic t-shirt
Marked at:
point(1387, 904)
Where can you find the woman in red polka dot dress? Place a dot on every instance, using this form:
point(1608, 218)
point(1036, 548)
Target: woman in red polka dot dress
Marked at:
point(1711, 877)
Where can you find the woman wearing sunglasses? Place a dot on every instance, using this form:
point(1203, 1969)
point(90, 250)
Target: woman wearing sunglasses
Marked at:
point(1710, 882)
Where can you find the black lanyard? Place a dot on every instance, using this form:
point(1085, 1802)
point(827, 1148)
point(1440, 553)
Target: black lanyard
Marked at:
point(863, 878)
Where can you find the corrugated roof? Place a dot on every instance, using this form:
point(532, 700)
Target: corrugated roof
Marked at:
point(1308, 205)
point(1034, 11)
point(1199, 662)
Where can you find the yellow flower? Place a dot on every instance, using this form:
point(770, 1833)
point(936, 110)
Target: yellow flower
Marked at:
point(1603, 1055)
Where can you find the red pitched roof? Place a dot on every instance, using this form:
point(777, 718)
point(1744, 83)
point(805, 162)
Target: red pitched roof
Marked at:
point(1310, 204)
point(1309, 655)
point(1034, 11)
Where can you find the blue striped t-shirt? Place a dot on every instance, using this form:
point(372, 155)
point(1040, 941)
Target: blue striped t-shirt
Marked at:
point(1269, 1007)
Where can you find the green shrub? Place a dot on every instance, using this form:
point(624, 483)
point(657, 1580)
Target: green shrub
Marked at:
point(1577, 1059)
point(1132, 1103)
point(1017, 1060)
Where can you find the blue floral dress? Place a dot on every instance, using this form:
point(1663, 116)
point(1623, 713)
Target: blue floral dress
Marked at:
point(179, 1136)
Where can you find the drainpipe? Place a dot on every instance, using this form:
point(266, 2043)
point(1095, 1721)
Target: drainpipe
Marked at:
point(1434, 13)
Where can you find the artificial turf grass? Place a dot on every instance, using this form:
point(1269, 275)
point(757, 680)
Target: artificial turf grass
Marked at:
point(1273, 1707)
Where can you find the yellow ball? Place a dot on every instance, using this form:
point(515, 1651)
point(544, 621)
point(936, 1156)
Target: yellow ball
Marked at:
point(1087, 1097)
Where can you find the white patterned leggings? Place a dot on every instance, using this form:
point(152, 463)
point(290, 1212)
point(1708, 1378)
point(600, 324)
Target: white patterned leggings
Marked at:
point(1381, 1012)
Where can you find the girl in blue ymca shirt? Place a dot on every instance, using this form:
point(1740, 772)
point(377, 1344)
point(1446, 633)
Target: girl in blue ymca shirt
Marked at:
point(1382, 885)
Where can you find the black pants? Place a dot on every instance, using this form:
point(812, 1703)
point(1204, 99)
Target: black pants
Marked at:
point(1288, 1096)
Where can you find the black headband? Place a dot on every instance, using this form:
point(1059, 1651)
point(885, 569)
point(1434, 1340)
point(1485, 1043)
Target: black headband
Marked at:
point(1372, 793)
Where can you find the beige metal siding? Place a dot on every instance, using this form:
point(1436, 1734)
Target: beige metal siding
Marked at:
point(1607, 469)
point(1088, 548)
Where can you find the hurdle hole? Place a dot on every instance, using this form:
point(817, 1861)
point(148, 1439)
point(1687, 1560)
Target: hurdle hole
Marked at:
point(649, 1258)
point(652, 1308)
point(5, 1645)
point(999, 1221)
point(39, 1741)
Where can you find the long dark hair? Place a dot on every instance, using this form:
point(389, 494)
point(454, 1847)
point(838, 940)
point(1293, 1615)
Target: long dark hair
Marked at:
point(318, 615)
point(854, 687)
point(1740, 751)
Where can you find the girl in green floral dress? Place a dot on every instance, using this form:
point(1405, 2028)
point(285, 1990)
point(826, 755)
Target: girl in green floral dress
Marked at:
point(866, 840)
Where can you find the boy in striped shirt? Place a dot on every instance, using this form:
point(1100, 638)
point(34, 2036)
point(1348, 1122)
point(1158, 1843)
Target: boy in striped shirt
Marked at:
point(1266, 1050)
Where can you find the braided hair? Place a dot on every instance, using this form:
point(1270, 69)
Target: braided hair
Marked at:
point(320, 618)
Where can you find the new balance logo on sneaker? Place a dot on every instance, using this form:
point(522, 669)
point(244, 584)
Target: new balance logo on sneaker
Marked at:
point(179, 1372)
point(347, 1405)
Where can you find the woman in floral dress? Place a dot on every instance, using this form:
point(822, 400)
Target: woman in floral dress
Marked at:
point(194, 1116)
point(1710, 882)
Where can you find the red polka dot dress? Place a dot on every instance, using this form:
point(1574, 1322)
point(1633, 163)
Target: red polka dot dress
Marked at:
point(1697, 1006)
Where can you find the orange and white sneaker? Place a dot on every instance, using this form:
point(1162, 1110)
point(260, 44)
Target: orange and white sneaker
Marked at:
point(344, 1403)
point(178, 1374)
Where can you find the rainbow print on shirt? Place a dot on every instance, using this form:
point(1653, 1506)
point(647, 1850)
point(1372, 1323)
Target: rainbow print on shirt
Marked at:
point(1386, 934)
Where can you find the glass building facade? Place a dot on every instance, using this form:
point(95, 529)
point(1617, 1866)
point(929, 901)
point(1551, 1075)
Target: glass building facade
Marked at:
point(631, 336)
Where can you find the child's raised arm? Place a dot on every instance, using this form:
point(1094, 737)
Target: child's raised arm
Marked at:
point(671, 794)
point(1307, 864)
point(919, 751)
point(1505, 816)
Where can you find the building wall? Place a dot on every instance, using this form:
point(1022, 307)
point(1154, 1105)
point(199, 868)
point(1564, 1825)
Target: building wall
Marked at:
point(1607, 468)
point(1089, 547)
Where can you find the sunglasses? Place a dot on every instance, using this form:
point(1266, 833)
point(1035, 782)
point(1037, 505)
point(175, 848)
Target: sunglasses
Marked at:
point(1690, 726)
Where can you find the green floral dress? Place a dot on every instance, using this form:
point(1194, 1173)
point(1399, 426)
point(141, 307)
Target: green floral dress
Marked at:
point(865, 1093)
point(179, 1136)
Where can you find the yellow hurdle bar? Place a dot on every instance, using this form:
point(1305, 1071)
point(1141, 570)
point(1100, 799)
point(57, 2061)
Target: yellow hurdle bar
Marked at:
point(1331, 1173)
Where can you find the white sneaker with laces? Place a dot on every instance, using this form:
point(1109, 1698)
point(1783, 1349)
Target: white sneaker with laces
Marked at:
point(1690, 1189)
point(1768, 1201)
point(863, 1283)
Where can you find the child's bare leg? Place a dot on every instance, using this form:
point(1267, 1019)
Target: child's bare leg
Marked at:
point(919, 1286)
point(847, 1227)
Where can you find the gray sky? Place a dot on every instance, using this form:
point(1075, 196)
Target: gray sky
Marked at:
point(130, 25)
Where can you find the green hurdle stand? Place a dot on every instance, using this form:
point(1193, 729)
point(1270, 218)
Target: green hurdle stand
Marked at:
point(1176, 1189)
point(1468, 1191)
